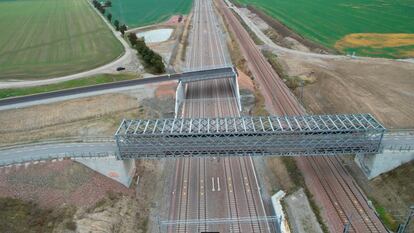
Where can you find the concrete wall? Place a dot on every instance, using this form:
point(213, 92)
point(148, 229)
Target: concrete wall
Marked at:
point(120, 170)
point(375, 165)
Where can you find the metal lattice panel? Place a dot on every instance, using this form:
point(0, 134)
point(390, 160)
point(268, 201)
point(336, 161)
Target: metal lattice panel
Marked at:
point(273, 135)
point(213, 73)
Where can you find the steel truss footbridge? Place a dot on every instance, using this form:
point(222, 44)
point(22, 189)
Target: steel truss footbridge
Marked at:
point(249, 136)
point(209, 73)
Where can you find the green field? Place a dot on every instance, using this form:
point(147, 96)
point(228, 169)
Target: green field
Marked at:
point(137, 13)
point(382, 28)
point(48, 38)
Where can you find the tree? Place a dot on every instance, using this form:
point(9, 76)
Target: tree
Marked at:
point(133, 39)
point(102, 10)
point(123, 28)
point(109, 16)
point(108, 3)
point(116, 24)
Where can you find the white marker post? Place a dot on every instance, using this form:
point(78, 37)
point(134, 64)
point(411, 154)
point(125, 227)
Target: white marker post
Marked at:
point(212, 181)
point(218, 184)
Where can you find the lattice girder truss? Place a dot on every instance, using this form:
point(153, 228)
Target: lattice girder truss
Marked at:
point(208, 74)
point(242, 136)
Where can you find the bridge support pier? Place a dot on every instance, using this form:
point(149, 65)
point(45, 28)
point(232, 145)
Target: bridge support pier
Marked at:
point(236, 91)
point(119, 170)
point(179, 97)
point(374, 165)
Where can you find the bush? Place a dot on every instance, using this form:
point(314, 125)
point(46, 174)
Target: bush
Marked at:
point(71, 225)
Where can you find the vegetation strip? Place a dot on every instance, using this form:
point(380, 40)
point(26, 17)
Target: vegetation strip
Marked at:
point(152, 60)
point(99, 79)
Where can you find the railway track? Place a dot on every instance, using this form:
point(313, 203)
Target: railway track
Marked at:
point(327, 179)
point(217, 189)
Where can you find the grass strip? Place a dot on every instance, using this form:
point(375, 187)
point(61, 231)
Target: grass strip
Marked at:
point(98, 79)
point(385, 217)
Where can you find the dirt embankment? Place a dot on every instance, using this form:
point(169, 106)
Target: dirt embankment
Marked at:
point(65, 196)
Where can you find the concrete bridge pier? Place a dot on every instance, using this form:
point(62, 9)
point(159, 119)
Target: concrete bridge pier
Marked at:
point(119, 170)
point(374, 165)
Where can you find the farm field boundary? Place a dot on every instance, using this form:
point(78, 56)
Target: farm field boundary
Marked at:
point(45, 38)
point(327, 22)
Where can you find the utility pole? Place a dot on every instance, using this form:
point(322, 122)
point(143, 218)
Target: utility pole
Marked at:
point(301, 90)
point(403, 227)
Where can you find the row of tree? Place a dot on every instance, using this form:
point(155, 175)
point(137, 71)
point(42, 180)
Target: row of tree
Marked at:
point(101, 8)
point(151, 59)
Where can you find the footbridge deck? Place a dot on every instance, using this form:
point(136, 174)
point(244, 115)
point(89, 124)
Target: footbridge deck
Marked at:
point(207, 74)
point(242, 136)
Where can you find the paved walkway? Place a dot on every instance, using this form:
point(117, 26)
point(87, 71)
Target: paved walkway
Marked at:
point(33, 152)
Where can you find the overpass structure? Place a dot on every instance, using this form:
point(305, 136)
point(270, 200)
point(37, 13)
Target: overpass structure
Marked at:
point(202, 75)
point(247, 136)
point(182, 78)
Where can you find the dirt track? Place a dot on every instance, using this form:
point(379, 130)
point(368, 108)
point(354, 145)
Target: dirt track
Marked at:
point(382, 87)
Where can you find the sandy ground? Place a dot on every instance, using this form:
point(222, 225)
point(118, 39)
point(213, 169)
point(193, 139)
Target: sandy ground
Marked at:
point(245, 82)
point(383, 88)
point(166, 90)
point(92, 116)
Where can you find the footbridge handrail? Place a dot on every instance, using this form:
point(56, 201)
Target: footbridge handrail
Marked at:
point(76, 139)
point(11, 162)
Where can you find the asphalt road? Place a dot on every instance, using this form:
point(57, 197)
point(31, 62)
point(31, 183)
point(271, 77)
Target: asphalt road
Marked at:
point(82, 90)
point(39, 152)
